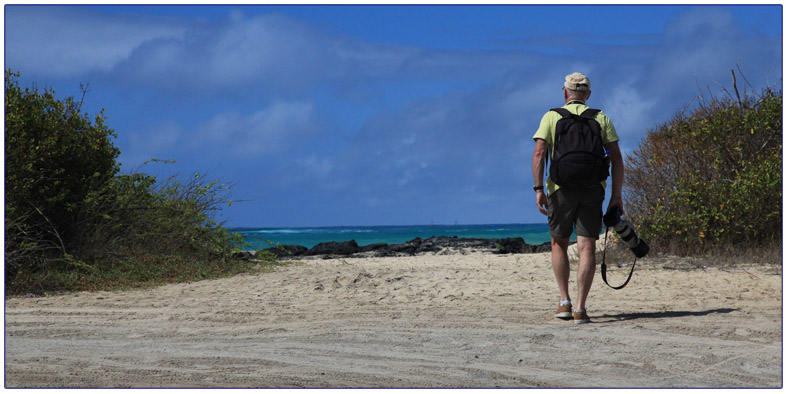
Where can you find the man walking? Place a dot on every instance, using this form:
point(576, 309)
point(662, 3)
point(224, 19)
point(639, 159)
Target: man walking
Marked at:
point(575, 191)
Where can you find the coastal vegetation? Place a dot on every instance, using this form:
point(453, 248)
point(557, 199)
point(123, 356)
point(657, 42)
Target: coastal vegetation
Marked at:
point(708, 182)
point(74, 221)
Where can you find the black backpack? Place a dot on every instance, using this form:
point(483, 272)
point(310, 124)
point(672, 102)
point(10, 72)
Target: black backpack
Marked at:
point(579, 157)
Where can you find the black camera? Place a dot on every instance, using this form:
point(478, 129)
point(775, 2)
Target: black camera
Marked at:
point(625, 231)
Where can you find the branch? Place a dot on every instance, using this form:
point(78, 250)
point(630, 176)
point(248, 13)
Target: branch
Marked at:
point(736, 89)
point(53, 231)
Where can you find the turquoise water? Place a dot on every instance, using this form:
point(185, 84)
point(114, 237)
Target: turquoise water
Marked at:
point(533, 234)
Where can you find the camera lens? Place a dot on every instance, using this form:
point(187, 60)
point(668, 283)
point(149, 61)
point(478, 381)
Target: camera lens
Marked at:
point(641, 250)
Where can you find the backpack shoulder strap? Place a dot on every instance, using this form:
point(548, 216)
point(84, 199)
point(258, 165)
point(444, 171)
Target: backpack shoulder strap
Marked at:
point(590, 113)
point(563, 112)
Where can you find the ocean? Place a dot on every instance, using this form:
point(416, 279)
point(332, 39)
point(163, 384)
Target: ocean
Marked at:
point(534, 234)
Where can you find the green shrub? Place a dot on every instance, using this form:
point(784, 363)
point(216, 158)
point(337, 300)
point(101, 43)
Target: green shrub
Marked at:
point(73, 221)
point(712, 177)
point(55, 158)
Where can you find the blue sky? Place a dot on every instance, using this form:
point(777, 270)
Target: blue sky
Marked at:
point(362, 115)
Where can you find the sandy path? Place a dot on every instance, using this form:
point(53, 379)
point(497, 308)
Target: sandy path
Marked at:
point(475, 320)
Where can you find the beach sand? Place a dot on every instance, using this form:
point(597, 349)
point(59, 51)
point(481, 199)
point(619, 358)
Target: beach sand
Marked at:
point(456, 320)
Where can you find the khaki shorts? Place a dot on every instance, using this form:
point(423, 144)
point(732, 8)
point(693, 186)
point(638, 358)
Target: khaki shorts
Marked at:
point(579, 210)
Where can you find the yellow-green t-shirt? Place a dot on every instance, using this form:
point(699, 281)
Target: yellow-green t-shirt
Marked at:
point(546, 132)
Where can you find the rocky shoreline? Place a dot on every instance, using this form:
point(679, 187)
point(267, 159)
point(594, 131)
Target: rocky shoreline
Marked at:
point(416, 246)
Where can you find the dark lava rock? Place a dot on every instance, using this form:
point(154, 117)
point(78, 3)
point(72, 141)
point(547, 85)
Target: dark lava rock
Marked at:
point(243, 255)
point(335, 248)
point(545, 247)
point(287, 250)
point(410, 248)
point(413, 247)
point(373, 247)
point(511, 245)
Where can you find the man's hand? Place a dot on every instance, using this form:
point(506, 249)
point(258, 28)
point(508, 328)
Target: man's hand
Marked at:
point(615, 202)
point(541, 202)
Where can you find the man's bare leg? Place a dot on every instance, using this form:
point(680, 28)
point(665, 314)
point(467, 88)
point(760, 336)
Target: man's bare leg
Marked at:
point(585, 269)
point(560, 262)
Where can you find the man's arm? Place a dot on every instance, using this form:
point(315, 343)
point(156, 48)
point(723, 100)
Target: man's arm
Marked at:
point(537, 166)
point(617, 175)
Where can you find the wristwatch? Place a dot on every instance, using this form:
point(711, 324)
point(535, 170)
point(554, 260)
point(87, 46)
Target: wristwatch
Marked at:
point(537, 188)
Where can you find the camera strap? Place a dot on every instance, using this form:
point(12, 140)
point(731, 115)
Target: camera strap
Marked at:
point(604, 267)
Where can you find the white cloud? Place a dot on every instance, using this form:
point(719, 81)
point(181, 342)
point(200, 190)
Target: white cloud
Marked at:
point(706, 43)
point(274, 129)
point(70, 41)
point(270, 52)
point(627, 108)
point(320, 167)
